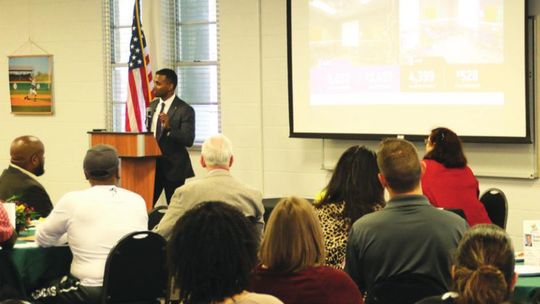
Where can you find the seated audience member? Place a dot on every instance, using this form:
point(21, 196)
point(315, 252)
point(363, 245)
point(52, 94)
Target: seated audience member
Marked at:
point(408, 236)
point(292, 255)
point(8, 236)
point(448, 182)
point(94, 220)
point(217, 185)
point(20, 178)
point(212, 252)
point(483, 270)
point(353, 190)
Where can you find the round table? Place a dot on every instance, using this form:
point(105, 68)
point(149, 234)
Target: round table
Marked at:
point(35, 266)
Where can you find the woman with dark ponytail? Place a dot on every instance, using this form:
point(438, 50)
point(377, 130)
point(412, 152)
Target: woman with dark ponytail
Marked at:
point(447, 181)
point(483, 270)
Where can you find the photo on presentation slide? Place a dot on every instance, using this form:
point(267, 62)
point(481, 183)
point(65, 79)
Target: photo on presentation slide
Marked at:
point(457, 32)
point(400, 52)
point(30, 84)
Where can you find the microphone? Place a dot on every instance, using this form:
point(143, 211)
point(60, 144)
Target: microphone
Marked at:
point(148, 119)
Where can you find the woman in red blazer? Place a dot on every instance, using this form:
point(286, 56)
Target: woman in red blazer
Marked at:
point(447, 181)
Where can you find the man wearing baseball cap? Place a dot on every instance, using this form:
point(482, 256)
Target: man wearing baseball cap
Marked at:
point(94, 220)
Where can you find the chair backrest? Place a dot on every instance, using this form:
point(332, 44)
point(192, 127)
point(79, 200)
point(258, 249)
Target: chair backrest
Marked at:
point(155, 216)
point(405, 288)
point(136, 271)
point(269, 204)
point(496, 206)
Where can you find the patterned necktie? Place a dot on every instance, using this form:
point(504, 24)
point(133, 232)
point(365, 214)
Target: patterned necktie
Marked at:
point(158, 123)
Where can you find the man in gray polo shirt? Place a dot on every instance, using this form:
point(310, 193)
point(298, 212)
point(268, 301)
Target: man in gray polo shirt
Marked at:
point(409, 235)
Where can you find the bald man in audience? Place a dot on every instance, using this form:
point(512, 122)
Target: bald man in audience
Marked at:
point(408, 236)
point(19, 180)
point(217, 185)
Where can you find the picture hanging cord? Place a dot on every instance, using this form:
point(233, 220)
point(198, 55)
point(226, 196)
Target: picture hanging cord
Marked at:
point(30, 43)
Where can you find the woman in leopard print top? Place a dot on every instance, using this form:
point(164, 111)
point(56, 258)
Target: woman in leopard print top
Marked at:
point(353, 190)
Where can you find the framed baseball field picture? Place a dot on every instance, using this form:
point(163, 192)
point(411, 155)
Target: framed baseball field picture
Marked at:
point(31, 84)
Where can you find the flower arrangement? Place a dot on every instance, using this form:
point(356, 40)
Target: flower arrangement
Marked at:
point(24, 214)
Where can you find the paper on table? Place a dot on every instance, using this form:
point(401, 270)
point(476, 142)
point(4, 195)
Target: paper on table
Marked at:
point(26, 245)
point(527, 270)
point(10, 209)
point(531, 242)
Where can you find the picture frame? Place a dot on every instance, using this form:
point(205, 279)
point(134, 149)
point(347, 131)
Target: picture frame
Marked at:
point(31, 84)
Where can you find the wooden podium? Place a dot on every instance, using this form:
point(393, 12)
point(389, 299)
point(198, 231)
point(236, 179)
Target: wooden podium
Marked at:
point(138, 153)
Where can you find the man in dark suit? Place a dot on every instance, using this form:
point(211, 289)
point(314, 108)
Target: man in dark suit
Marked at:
point(20, 178)
point(173, 123)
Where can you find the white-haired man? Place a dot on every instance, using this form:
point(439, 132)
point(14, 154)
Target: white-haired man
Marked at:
point(217, 185)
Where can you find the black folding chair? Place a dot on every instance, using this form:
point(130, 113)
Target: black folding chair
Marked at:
point(155, 216)
point(136, 271)
point(405, 288)
point(496, 206)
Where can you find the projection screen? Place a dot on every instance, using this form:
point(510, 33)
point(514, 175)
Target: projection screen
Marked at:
point(370, 68)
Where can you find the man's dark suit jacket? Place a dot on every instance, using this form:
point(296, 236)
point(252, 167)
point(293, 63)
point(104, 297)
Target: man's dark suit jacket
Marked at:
point(174, 162)
point(15, 182)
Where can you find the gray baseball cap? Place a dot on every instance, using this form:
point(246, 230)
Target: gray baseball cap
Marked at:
point(101, 162)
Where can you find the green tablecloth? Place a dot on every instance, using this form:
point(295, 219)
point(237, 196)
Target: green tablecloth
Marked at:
point(37, 266)
point(525, 288)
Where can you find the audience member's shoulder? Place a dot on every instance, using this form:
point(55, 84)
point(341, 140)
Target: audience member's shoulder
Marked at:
point(246, 186)
point(468, 170)
point(197, 183)
point(71, 194)
point(433, 165)
point(241, 186)
point(33, 187)
point(450, 217)
point(333, 273)
point(256, 194)
point(131, 194)
point(10, 171)
point(329, 207)
point(372, 219)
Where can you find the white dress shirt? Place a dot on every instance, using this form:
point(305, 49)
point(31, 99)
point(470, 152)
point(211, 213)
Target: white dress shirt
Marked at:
point(95, 220)
point(155, 117)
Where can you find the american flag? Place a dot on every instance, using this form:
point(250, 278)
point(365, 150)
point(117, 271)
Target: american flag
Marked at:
point(139, 75)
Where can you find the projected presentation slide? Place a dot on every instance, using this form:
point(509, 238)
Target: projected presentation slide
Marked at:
point(414, 56)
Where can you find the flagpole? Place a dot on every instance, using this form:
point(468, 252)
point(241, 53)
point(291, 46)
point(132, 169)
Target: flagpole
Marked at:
point(142, 49)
